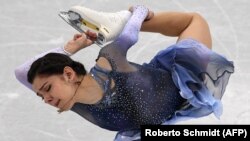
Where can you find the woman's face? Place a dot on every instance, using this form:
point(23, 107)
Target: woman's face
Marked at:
point(56, 90)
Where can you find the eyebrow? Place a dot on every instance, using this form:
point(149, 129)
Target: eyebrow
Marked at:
point(41, 88)
point(43, 85)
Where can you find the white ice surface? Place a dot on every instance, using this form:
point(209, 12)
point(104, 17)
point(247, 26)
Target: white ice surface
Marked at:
point(29, 27)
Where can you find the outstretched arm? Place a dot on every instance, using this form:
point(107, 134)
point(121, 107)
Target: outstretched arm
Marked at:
point(181, 25)
point(22, 70)
point(78, 42)
point(129, 35)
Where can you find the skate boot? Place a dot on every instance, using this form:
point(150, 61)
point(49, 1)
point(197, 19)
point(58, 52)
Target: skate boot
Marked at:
point(107, 26)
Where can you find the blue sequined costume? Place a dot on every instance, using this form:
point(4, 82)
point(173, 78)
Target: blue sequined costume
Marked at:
point(185, 80)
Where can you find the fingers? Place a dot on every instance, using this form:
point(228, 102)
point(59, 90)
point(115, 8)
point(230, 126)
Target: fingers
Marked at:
point(91, 35)
point(84, 39)
point(149, 16)
point(76, 36)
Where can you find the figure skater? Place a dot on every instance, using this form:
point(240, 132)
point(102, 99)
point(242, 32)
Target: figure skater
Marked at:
point(185, 80)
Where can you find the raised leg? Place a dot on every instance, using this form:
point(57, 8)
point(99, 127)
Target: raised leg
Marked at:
point(181, 25)
point(129, 35)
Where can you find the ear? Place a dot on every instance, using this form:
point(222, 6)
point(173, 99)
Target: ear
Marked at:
point(69, 74)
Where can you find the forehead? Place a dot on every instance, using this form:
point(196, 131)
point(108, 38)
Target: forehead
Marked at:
point(39, 81)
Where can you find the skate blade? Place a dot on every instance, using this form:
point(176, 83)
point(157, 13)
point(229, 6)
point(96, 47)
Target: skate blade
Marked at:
point(65, 16)
point(82, 26)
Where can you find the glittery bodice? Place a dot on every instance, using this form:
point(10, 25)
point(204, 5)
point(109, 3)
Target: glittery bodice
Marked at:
point(146, 96)
point(141, 94)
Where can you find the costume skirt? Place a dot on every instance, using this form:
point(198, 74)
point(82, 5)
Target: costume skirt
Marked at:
point(201, 75)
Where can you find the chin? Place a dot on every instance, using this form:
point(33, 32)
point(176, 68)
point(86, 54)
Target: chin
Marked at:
point(66, 106)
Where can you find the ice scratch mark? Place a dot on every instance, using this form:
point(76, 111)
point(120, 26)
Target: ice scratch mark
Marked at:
point(180, 5)
point(71, 135)
point(236, 42)
point(57, 41)
point(134, 56)
point(51, 134)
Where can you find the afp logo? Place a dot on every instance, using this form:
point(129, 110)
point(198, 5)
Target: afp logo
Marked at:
point(234, 133)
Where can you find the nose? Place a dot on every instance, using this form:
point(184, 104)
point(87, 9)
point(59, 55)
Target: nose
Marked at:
point(48, 98)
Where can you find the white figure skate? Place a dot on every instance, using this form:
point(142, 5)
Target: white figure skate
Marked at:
point(107, 26)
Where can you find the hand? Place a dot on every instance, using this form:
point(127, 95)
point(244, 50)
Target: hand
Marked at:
point(80, 41)
point(149, 16)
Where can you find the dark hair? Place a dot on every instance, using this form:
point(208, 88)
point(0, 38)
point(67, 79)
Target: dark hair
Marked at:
point(53, 63)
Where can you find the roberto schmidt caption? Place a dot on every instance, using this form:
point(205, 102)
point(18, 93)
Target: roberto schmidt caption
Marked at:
point(163, 132)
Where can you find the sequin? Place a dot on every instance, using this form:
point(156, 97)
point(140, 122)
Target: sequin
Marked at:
point(146, 95)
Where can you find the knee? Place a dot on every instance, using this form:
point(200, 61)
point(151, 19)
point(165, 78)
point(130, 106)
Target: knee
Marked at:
point(197, 15)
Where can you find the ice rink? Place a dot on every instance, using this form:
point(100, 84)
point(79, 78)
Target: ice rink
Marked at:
point(29, 27)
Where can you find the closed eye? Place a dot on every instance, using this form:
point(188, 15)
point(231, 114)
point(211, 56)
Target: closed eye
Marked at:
point(48, 89)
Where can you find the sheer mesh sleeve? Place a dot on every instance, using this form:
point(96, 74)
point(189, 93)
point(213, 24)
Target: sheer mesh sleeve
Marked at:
point(22, 70)
point(116, 52)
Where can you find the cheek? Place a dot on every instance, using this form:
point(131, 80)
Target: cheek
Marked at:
point(63, 91)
